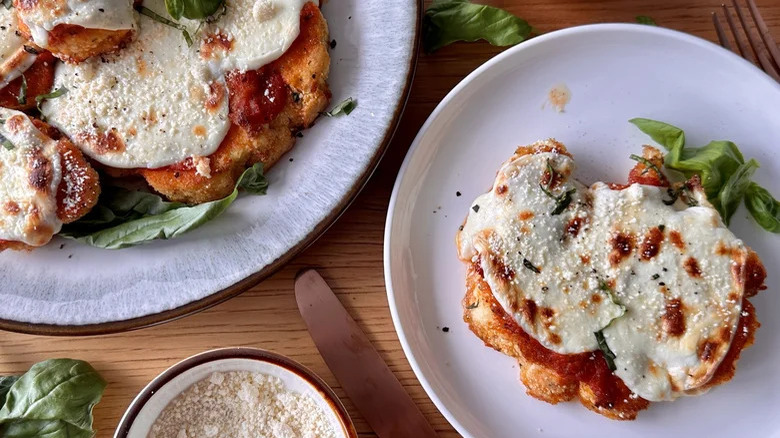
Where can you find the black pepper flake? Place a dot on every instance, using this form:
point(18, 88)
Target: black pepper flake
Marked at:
point(291, 159)
point(661, 283)
point(299, 134)
point(545, 288)
point(662, 227)
point(656, 276)
point(460, 228)
point(296, 97)
point(70, 256)
point(530, 266)
point(445, 329)
point(333, 44)
point(101, 10)
point(664, 269)
point(62, 245)
point(475, 208)
point(457, 193)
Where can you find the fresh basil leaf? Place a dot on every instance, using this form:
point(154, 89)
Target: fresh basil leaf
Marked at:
point(5, 386)
point(764, 208)
point(43, 429)
point(125, 218)
point(345, 107)
point(734, 190)
point(6, 143)
point(609, 356)
point(644, 19)
point(175, 8)
point(8, 4)
point(53, 399)
point(197, 9)
point(714, 163)
point(448, 21)
point(668, 136)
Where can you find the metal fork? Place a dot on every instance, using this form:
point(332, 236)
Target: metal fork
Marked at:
point(767, 53)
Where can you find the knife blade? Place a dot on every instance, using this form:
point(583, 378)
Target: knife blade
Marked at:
point(358, 367)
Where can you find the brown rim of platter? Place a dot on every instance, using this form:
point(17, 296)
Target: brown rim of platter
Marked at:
point(252, 280)
point(123, 428)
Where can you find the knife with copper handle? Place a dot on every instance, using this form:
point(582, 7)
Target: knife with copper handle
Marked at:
point(360, 370)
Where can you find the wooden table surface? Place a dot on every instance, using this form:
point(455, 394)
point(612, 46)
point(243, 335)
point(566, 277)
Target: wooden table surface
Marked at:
point(349, 255)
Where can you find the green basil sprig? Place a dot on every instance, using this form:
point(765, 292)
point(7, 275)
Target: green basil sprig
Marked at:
point(54, 399)
point(764, 207)
point(725, 176)
point(448, 21)
point(125, 218)
point(644, 19)
point(192, 9)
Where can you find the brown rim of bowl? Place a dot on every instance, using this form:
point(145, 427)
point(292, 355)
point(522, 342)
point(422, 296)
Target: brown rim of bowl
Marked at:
point(241, 286)
point(163, 379)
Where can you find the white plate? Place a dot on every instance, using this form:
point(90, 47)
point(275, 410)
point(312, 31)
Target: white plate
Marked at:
point(78, 285)
point(615, 72)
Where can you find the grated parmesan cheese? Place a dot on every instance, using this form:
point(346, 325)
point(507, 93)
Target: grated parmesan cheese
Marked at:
point(241, 404)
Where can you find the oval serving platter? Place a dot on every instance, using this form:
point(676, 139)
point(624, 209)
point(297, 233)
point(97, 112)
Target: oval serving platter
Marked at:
point(67, 288)
point(614, 72)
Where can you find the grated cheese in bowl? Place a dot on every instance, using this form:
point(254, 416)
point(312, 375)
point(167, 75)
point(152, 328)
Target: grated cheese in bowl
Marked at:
point(241, 404)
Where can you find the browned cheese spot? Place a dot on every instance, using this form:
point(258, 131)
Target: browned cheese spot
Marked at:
point(529, 310)
point(107, 142)
point(596, 298)
point(585, 259)
point(554, 338)
point(504, 272)
point(674, 318)
point(500, 190)
point(12, 208)
point(677, 240)
point(41, 171)
point(199, 130)
point(215, 42)
point(692, 267)
point(215, 97)
point(651, 244)
point(707, 350)
point(574, 225)
point(15, 124)
point(552, 180)
point(525, 215)
point(622, 246)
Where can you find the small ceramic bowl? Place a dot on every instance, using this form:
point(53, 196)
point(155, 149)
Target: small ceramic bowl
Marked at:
point(148, 405)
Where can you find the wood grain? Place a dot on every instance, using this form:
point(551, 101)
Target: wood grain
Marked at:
point(349, 255)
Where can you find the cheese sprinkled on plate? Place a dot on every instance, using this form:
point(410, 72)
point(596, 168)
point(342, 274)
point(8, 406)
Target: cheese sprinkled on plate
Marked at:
point(30, 175)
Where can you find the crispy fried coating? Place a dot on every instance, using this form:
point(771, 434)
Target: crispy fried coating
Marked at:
point(39, 77)
point(79, 188)
point(304, 69)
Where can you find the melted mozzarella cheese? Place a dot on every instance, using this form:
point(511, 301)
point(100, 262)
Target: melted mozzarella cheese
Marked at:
point(153, 104)
point(668, 269)
point(678, 301)
point(91, 14)
point(252, 33)
point(30, 175)
point(512, 235)
point(14, 60)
